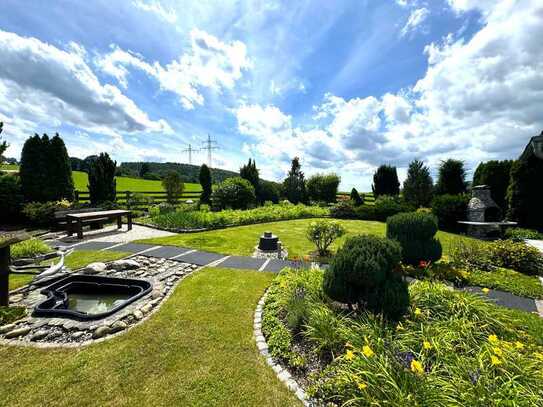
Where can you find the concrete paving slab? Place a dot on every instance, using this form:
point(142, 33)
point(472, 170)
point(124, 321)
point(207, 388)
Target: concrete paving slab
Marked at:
point(276, 265)
point(200, 258)
point(241, 262)
point(166, 252)
point(133, 247)
point(506, 299)
point(94, 245)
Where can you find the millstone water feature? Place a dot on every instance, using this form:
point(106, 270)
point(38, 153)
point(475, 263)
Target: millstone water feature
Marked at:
point(86, 297)
point(270, 247)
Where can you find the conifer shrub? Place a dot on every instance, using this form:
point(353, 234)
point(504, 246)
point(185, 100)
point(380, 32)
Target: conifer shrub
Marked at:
point(362, 273)
point(415, 232)
point(449, 209)
point(102, 183)
point(356, 198)
point(11, 198)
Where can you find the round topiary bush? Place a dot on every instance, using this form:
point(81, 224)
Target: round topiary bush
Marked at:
point(415, 232)
point(362, 273)
point(234, 193)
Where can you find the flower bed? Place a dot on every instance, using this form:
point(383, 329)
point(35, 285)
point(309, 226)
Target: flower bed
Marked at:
point(452, 348)
point(192, 219)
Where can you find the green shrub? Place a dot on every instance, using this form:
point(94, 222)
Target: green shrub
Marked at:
point(356, 198)
point(386, 206)
point(9, 315)
point(517, 256)
point(323, 187)
point(40, 213)
point(365, 212)
point(102, 183)
point(206, 183)
point(234, 193)
point(450, 209)
point(323, 233)
point(501, 253)
point(519, 234)
point(204, 219)
point(415, 232)
point(343, 210)
point(11, 198)
point(360, 271)
point(29, 248)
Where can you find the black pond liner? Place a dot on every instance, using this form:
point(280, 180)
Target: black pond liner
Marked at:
point(57, 303)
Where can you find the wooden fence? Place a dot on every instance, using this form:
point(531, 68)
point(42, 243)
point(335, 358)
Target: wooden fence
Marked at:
point(141, 199)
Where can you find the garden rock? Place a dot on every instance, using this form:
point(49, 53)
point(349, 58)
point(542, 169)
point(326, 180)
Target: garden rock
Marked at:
point(121, 265)
point(17, 332)
point(101, 331)
point(6, 328)
point(118, 326)
point(94, 268)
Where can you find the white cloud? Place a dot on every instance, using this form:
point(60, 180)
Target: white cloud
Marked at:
point(41, 83)
point(208, 63)
point(415, 20)
point(155, 7)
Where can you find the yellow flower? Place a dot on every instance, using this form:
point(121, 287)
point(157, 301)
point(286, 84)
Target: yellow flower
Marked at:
point(497, 351)
point(418, 311)
point(485, 290)
point(416, 367)
point(493, 339)
point(539, 355)
point(362, 386)
point(400, 327)
point(349, 355)
point(366, 350)
point(519, 345)
point(427, 345)
point(495, 360)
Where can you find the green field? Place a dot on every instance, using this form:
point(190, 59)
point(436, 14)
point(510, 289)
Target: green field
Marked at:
point(130, 184)
point(11, 167)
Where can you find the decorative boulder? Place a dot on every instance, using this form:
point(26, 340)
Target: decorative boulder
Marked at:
point(94, 268)
point(121, 265)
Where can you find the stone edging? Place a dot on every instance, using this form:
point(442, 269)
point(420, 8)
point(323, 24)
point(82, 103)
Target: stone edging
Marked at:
point(72, 345)
point(282, 373)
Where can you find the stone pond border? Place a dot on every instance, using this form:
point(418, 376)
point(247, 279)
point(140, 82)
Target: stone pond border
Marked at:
point(77, 345)
point(282, 373)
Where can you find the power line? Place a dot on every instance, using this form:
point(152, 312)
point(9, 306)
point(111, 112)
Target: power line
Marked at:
point(189, 150)
point(210, 145)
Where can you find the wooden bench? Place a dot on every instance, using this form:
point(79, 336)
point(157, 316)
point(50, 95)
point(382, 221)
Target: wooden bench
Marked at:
point(76, 221)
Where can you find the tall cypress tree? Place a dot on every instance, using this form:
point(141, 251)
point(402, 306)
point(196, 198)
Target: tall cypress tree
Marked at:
point(418, 186)
point(102, 183)
point(3, 144)
point(205, 182)
point(385, 181)
point(452, 178)
point(60, 171)
point(33, 169)
point(250, 173)
point(294, 184)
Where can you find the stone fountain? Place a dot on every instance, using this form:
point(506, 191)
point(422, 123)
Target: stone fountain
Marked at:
point(270, 247)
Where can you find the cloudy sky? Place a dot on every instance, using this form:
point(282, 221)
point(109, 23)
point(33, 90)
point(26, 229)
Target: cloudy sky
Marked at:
point(345, 84)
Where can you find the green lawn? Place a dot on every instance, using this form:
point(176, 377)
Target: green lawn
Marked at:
point(198, 350)
point(11, 167)
point(130, 184)
point(242, 240)
point(74, 261)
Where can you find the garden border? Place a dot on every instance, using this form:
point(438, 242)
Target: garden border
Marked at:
point(281, 372)
point(173, 230)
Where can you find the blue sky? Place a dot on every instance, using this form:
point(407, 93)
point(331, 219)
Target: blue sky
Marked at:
point(345, 85)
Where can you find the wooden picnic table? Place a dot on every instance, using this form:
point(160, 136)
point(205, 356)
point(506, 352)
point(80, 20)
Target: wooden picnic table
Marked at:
point(78, 220)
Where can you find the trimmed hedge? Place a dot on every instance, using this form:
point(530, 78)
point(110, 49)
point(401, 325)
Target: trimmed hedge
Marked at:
point(449, 209)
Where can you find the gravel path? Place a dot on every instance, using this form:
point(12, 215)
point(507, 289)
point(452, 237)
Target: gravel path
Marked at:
point(114, 235)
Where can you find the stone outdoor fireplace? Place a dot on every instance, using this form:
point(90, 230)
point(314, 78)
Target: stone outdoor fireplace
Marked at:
point(481, 207)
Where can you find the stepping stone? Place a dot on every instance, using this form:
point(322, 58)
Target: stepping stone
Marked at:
point(133, 247)
point(94, 246)
point(276, 265)
point(201, 258)
point(240, 262)
point(167, 252)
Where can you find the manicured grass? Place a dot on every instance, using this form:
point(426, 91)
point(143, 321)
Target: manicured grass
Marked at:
point(242, 240)
point(74, 261)
point(130, 184)
point(507, 280)
point(198, 350)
